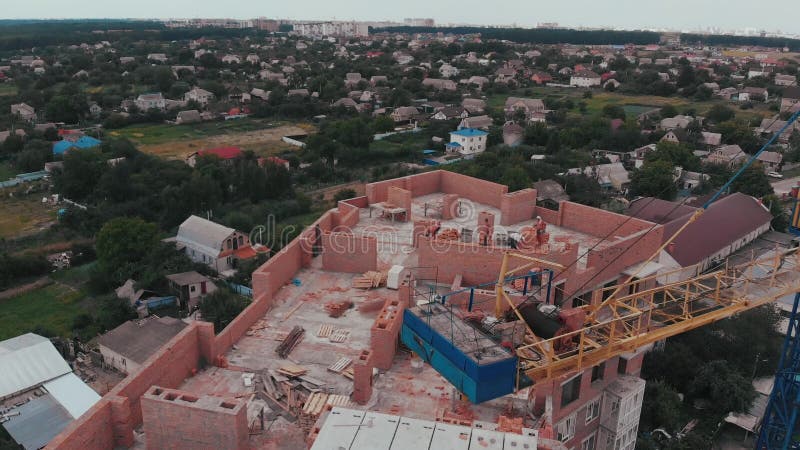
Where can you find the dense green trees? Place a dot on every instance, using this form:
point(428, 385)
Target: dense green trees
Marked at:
point(123, 244)
point(220, 307)
point(654, 179)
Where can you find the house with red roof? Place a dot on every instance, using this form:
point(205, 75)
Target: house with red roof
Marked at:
point(224, 153)
point(275, 160)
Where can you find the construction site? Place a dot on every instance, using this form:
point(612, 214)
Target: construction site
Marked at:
point(436, 311)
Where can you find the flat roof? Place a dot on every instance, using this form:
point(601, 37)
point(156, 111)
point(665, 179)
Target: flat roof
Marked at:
point(350, 429)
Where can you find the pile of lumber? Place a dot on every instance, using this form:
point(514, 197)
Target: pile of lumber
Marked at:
point(292, 370)
point(370, 280)
point(316, 404)
point(333, 334)
point(448, 234)
point(340, 365)
point(336, 309)
point(289, 387)
point(292, 339)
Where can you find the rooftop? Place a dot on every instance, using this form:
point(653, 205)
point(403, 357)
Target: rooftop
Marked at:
point(469, 132)
point(138, 339)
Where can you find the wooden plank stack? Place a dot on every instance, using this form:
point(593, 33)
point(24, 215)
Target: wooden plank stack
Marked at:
point(340, 365)
point(316, 404)
point(287, 345)
point(325, 330)
point(369, 280)
point(339, 335)
point(292, 370)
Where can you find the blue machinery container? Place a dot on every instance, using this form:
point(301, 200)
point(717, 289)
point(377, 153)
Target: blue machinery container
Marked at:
point(454, 358)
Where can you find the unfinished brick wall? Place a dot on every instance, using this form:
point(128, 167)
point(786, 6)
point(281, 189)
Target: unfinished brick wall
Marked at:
point(598, 222)
point(176, 419)
point(385, 334)
point(111, 421)
point(401, 198)
point(474, 189)
point(379, 191)
point(449, 206)
point(362, 377)
point(91, 431)
point(516, 207)
point(343, 252)
point(345, 216)
point(548, 215)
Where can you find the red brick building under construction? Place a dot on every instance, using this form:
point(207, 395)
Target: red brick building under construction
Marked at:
point(232, 390)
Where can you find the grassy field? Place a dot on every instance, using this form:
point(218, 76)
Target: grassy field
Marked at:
point(20, 216)
point(53, 307)
point(6, 171)
point(178, 141)
point(7, 89)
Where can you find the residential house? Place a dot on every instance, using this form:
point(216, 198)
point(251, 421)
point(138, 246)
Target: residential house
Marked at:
point(585, 78)
point(467, 142)
point(440, 84)
point(478, 122)
point(785, 80)
point(126, 60)
point(478, 81)
point(768, 127)
point(451, 112)
point(790, 100)
point(689, 180)
point(770, 160)
point(159, 57)
point(528, 106)
point(711, 139)
point(5, 134)
point(260, 94)
point(474, 105)
point(78, 142)
point(352, 79)
point(215, 245)
point(149, 101)
point(448, 71)
point(727, 155)
point(226, 154)
point(129, 345)
point(378, 79)
point(404, 114)
point(345, 102)
point(611, 176)
point(505, 75)
point(190, 116)
point(512, 134)
point(753, 93)
point(231, 59)
point(298, 92)
point(24, 111)
point(190, 287)
point(252, 58)
point(679, 121)
point(549, 193)
point(727, 225)
point(541, 78)
point(95, 109)
point(274, 160)
point(198, 95)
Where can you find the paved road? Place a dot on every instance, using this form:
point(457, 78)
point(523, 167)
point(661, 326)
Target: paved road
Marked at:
point(784, 186)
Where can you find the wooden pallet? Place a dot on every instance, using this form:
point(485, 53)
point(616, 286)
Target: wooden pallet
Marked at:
point(348, 373)
point(325, 330)
point(339, 335)
point(340, 365)
point(370, 280)
point(292, 370)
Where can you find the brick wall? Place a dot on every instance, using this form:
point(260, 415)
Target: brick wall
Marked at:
point(402, 198)
point(424, 183)
point(178, 420)
point(110, 422)
point(449, 206)
point(548, 215)
point(362, 377)
point(474, 189)
point(385, 332)
point(516, 207)
point(597, 222)
point(91, 431)
point(343, 252)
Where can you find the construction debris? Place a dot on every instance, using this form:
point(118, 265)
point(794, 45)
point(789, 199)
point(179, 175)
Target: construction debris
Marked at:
point(316, 404)
point(371, 305)
point(339, 335)
point(340, 365)
point(292, 370)
point(325, 330)
point(348, 372)
point(285, 347)
point(336, 309)
point(448, 234)
point(370, 280)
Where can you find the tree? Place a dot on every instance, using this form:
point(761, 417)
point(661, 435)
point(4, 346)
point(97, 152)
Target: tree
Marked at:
point(382, 124)
point(668, 111)
point(82, 170)
point(343, 194)
point(753, 181)
point(724, 388)
point(614, 111)
point(720, 113)
point(661, 407)
point(221, 307)
point(675, 154)
point(515, 178)
point(122, 244)
point(654, 179)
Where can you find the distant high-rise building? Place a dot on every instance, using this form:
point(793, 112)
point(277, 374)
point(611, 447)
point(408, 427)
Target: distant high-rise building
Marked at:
point(547, 25)
point(418, 22)
point(262, 23)
point(330, 28)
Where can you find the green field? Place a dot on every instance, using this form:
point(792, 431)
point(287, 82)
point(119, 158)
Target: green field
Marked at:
point(53, 307)
point(7, 89)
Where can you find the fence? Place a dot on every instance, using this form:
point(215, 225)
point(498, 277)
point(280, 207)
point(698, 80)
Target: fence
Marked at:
point(241, 290)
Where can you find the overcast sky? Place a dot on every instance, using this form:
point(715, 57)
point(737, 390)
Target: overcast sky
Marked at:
point(631, 14)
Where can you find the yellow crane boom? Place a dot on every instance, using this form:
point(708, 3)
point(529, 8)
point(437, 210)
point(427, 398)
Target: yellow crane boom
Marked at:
point(624, 323)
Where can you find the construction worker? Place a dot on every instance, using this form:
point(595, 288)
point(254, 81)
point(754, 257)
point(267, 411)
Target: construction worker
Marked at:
point(541, 228)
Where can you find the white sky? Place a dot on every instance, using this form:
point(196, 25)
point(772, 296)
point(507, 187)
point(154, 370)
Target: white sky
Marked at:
point(771, 15)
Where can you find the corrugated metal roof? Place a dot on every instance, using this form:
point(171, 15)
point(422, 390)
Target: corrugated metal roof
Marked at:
point(72, 393)
point(39, 421)
point(27, 361)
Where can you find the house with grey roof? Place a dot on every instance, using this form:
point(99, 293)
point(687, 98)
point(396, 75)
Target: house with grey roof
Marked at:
point(727, 155)
point(215, 245)
point(126, 347)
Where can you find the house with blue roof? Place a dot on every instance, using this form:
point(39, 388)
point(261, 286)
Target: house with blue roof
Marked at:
point(467, 142)
point(84, 142)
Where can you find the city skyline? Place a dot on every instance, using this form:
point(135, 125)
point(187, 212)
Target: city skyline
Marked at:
point(678, 15)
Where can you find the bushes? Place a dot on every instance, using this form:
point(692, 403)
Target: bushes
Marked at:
point(15, 268)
